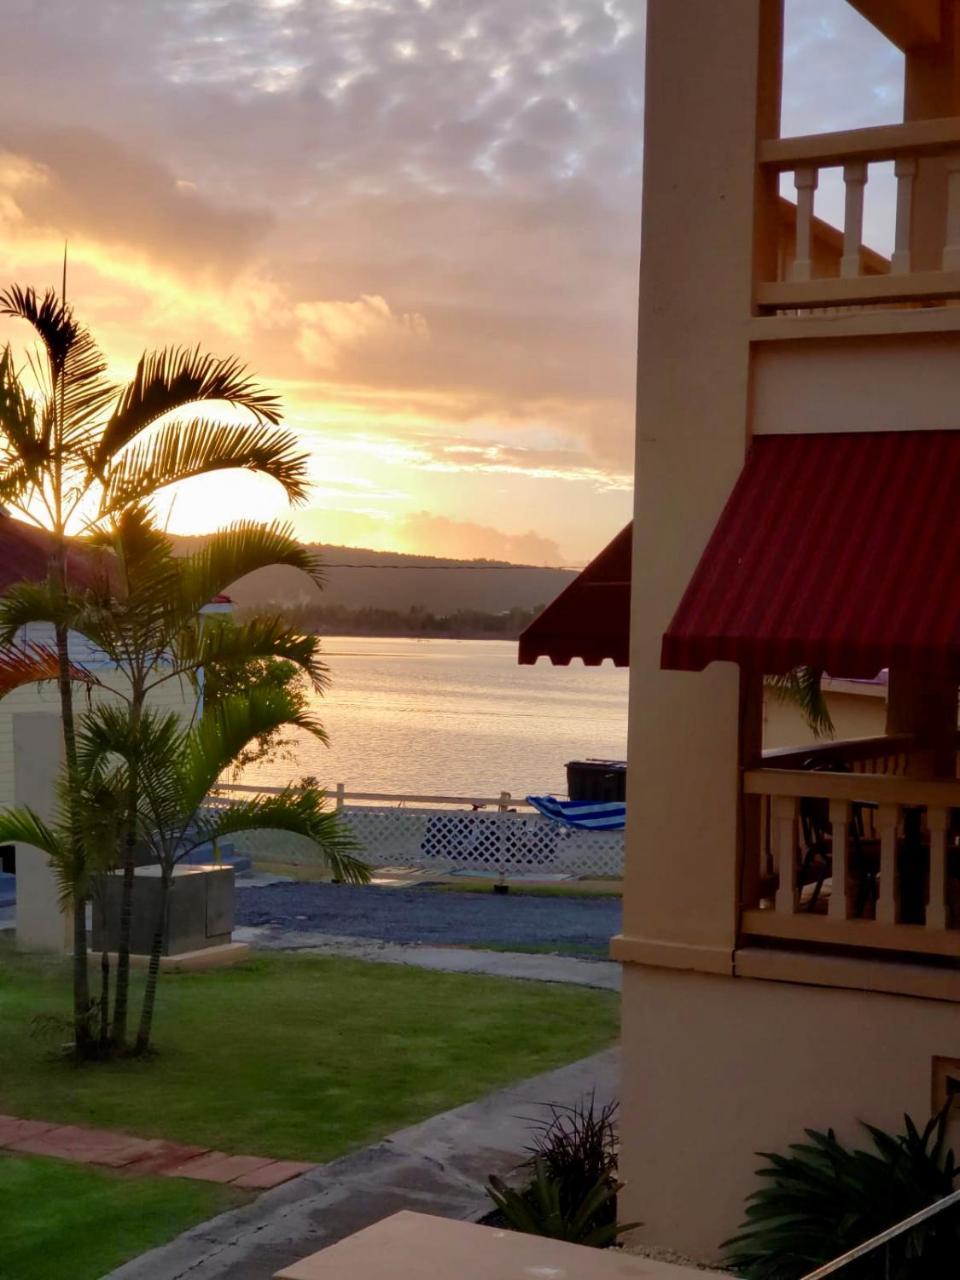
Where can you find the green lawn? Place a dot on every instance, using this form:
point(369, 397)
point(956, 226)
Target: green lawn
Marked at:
point(295, 1056)
point(63, 1219)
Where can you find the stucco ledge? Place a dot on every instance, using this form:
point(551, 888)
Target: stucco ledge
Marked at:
point(657, 954)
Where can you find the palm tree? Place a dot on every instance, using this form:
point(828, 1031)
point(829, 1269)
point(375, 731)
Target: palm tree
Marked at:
point(179, 768)
point(148, 620)
point(82, 449)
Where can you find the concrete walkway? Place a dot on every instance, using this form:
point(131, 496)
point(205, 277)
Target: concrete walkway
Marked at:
point(603, 974)
point(438, 1167)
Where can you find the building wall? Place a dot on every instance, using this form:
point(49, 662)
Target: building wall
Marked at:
point(718, 1068)
point(30, 761)
point(854, 715)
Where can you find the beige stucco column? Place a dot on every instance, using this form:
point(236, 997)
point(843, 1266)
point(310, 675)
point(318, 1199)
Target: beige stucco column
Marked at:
point(37, 753)
point(706, 62)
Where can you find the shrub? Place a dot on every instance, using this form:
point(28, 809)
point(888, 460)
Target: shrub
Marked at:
point(572, 1191)
point(824, 1199)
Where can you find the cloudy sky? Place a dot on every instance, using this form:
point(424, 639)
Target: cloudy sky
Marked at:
point(418, 220)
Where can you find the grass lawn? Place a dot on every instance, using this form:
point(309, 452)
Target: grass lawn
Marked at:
point(295, 1056)
point(64, 1219)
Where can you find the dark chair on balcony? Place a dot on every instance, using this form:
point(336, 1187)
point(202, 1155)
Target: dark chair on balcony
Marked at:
point(816, 854)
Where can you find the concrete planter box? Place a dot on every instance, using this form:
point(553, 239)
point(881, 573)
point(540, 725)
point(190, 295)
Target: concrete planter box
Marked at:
point(200, 910)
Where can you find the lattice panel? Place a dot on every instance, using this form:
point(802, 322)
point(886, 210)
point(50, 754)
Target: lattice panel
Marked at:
point(455, 840)
point(451, 840)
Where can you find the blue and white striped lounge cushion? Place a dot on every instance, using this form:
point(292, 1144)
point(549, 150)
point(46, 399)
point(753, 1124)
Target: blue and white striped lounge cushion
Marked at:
point(585, 815)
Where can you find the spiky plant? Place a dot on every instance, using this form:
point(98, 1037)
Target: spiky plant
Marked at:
point(824, 1198)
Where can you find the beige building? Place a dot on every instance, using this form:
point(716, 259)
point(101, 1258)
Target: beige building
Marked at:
point(797, 459)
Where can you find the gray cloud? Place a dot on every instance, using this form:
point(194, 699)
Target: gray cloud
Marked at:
point(475, 164)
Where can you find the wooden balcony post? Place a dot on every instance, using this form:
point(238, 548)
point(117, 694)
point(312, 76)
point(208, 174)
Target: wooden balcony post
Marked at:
point(805, 180)
point(888, 903)
point(905, 168)
point(784, 819)
point(840, 895)
point(855, 181)
point(937, 823)
point(951, 247)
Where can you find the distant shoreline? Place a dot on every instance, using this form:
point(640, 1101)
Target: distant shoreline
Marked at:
point(399, 634)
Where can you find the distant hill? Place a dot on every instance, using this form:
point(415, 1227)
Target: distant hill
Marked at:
point(391, 580)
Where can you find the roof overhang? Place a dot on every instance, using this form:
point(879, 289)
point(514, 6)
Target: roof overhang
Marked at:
point(590, 619)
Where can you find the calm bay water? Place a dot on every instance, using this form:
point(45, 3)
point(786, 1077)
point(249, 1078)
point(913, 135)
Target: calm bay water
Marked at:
point(455, 717)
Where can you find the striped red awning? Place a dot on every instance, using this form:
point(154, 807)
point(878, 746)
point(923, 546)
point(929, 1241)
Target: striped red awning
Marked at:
point(840, 552)
point(590, 619)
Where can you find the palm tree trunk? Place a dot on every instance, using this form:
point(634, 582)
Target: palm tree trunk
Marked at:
point(81, 979)
point(153, 970)
point(122, 997)
point(101, 906)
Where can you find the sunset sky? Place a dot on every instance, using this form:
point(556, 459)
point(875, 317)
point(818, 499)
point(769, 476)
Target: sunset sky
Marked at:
point(418, 220)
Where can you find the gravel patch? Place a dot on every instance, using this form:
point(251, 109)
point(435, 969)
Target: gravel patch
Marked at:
point(421, 915)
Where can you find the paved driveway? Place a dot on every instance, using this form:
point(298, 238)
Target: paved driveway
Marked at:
point(422, 915)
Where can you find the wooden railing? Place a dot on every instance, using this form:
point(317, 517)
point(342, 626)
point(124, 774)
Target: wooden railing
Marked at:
point(907, 145)
point(862, 860)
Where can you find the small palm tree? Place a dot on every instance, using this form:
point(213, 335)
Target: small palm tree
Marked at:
point(179, 769)
point(82, 449)
point(148, 619)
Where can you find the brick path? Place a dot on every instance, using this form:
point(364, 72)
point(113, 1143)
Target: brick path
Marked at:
point(144, 1155)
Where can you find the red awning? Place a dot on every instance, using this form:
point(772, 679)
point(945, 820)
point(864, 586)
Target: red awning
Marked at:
point(590, 619)
point(840, 552)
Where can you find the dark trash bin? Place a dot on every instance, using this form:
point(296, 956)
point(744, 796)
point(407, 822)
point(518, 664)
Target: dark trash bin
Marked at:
point(602, 780)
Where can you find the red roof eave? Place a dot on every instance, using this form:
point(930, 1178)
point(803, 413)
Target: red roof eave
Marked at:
point(590, 618)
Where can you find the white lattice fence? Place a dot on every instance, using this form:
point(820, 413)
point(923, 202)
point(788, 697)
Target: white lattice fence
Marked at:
point(451, 840)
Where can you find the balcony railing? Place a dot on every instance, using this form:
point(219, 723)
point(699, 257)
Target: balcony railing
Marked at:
point(857, 281)
point(856, 856)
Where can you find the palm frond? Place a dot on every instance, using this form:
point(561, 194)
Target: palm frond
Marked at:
point(21, 440)
point(239, 549)
point(299, 811)
point(214, 644)
point(803, 688)
point(215, 742)
point(27, 603)
point(170, 379)
point(34, 664)
point(79, 389)
point(183, 450)
point(52, 320)
point(20, 825)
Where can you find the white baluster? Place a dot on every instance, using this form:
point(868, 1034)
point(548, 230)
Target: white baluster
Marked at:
point(937, 823)
point(888, 821)
point(855, 180)
point(839, 894)
point(906, 170)
point(951, 247)
point(805, 181)
point(785, 846)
